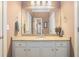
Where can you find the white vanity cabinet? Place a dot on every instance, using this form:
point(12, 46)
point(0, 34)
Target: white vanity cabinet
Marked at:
point(62, 48)
point(45, 48)
point(19, 49)
point(20, 52)
point(33, 52)
point(61, 52)
point(48, 52)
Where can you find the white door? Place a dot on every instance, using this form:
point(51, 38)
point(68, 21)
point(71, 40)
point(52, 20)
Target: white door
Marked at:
point(0, 28)
point(47, 52)
point(38, 25)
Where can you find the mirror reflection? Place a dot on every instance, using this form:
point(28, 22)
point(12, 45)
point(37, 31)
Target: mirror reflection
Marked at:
point(39, 17)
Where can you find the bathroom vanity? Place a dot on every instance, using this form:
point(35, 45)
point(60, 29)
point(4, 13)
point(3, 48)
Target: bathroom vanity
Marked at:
point(47, 46)
point(38, 34)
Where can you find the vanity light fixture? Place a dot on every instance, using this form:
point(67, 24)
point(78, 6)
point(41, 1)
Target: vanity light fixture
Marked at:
point(40, 3)
point(41, 6)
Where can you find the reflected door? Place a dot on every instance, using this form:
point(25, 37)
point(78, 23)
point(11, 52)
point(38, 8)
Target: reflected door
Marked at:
point(38, 25)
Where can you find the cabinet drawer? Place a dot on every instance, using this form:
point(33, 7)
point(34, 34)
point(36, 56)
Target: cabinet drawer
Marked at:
point(62, 43)
point(33, 44)
point(48, 44)
point(20, 44)
point(40, 44)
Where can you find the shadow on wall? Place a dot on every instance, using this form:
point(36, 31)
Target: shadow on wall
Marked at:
point(71, 49)
point(10, 49)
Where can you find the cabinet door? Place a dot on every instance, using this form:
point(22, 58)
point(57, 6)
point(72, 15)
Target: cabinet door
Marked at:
point(33, 52)
point(62, 52)
point(48, 52)
point(20, 52)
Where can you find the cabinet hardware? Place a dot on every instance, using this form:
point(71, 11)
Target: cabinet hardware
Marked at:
point(61, 44)
point(29, 49)
point(52, 49)
point(1, 37)
point(19, 44)
point(56, 49)
point(24, 49)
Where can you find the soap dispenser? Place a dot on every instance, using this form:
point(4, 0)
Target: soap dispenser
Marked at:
point(61, 33)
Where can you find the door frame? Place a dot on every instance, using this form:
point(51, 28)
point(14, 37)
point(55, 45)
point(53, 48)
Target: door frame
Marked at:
point(75, 30)
point(4, 17)
point(1, 35)
point(35, 27)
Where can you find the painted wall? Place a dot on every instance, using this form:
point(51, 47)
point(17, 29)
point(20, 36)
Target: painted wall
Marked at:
point(14, 11)
point(67, 19)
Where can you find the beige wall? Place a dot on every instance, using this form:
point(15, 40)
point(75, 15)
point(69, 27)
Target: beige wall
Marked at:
point(67, 19)
point(14, 10)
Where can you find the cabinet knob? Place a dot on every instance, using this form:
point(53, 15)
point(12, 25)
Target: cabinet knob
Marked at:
point(24, 49)
point(52, 49)
point(29, 49)
point(56, 49)
point(19, 44)
point(61, 44)
point(1, 37)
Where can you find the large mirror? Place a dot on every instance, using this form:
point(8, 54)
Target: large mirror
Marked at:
point(39, 18)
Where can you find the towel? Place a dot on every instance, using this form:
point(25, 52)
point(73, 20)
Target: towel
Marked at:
point(16, 27)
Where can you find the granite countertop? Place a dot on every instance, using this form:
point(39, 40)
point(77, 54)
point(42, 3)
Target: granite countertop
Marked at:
point(40, 38)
